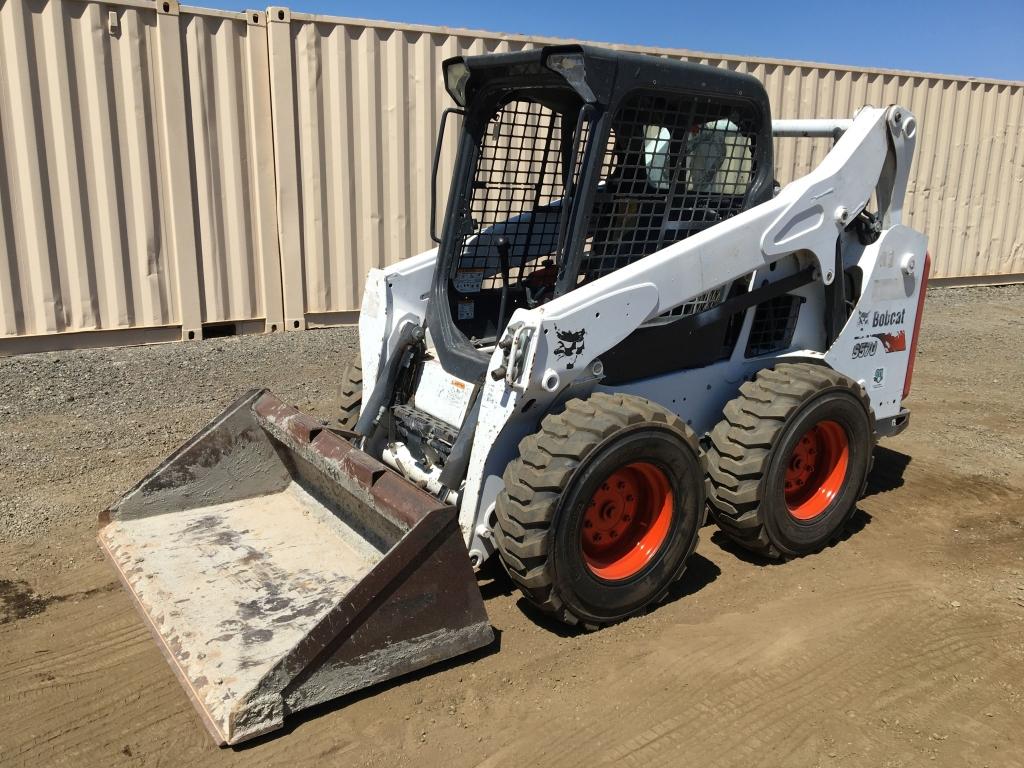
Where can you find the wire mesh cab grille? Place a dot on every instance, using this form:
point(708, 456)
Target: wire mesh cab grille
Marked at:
point(774, 325)
point(523, 175)
point(673, 166)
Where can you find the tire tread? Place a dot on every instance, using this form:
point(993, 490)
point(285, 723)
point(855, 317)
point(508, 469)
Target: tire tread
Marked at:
point(534, 481)
point(350, 395)
point(740, 446)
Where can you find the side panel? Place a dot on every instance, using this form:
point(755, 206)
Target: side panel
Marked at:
point(393, 296)
point(875, 345)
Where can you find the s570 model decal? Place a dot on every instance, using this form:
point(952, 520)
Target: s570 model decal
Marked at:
point(893, 342)
point(865, 348)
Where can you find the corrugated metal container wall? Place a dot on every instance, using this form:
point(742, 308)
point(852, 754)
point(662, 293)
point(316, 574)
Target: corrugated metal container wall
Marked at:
point(229, 137)
point(135, 193)
point(83, 249)
point(356, 110)
point(364, 99)
point(166, 168)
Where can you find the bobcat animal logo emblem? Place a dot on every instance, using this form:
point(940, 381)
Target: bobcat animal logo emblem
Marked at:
point(863, 318)
point(570, 344)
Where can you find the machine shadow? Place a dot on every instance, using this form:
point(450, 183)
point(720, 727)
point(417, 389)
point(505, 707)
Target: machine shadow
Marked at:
point(886, 475)
point(857, 523)
point(493, 580)
point(699, 573)
point(296, 720)
point(887, 472)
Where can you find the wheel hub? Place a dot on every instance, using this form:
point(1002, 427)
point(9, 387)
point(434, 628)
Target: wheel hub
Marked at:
point(611, 511)
point(816, 470)
point(626, 521)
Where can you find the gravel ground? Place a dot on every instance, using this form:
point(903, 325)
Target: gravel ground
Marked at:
point(120, 410)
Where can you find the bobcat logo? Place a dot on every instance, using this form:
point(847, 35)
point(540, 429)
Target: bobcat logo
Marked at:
point(570, 344)
point(863, 318)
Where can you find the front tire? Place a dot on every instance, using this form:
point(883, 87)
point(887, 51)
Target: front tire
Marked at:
point(350, 396)
point(790, 459)
point(601, 509)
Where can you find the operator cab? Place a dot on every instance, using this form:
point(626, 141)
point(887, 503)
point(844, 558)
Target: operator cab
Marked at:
point(574, 162)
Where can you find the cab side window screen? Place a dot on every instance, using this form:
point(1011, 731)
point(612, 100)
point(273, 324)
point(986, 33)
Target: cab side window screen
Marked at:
point(673, 166)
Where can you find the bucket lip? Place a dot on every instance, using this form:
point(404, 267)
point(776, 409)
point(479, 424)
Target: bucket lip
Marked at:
point(172, 661)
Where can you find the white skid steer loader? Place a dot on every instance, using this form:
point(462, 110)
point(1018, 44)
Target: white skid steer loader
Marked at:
point(625, 324)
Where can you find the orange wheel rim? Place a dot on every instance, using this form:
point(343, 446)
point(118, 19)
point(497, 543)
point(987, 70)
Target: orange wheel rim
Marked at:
point(816, 470)
point(626, 521)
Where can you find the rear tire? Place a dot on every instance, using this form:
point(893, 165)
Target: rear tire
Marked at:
point(789, 461)
point(601, 510)
point(350, 395)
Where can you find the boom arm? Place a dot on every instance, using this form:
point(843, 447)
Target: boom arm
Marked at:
point(807, 215)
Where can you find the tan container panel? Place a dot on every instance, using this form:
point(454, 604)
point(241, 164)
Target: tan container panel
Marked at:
point(172, 167)
point(136, 168)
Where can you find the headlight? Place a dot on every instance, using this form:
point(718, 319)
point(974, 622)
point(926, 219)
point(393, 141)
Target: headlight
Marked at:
point(572, 68)
point(565, 63)
point(456, 76)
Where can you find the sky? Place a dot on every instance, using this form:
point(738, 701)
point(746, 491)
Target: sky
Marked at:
point(980, 38)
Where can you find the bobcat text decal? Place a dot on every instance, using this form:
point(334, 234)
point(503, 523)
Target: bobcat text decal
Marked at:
point(878, 319)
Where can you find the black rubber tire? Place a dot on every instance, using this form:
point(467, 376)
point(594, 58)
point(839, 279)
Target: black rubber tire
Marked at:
point(350, 395)
point(749, 449)
point(547, 488)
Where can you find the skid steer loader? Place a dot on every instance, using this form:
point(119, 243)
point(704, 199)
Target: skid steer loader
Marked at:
point(625, 324)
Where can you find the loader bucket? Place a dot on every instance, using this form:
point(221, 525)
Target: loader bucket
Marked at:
point(279, 567)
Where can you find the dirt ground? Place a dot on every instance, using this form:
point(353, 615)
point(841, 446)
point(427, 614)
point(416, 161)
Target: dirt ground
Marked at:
point(903, 645)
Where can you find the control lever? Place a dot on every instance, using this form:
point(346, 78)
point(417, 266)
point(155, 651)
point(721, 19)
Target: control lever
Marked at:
point(503, 249)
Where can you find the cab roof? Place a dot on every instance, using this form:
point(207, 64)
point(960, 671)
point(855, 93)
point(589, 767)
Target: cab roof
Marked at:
point(603, 76)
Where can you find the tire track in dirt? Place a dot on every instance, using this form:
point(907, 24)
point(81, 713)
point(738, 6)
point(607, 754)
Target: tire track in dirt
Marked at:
point(804, 685)
point(108, 669)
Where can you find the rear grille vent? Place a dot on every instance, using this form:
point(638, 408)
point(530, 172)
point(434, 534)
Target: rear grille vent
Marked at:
point(774, 324)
